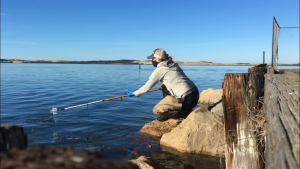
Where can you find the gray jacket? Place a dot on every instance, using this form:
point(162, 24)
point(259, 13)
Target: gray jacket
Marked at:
point(172, 76)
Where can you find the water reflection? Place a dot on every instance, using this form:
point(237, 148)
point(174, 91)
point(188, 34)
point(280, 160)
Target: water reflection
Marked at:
point(56, 137)
point(173, 159)
point(36, 119)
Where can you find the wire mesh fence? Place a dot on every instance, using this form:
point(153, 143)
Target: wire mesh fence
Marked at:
point(288, 43)
point(285, 46)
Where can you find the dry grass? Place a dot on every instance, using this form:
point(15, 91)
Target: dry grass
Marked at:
point(258, 119)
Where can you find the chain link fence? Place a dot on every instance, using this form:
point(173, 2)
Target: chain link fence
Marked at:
point(285, 46)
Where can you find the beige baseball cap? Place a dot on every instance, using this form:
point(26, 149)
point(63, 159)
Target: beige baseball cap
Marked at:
point(158, 53)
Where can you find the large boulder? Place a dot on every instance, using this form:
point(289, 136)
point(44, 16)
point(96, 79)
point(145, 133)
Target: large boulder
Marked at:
point(147, 163)
point(167, 107)
point(210, 96)
point(200, 133)
point(12, 137)
point(158, 128)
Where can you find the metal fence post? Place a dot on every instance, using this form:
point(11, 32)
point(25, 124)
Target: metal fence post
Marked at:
point(275, 43)
point(263, 57)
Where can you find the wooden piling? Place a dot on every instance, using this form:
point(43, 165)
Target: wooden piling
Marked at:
point(241, 93)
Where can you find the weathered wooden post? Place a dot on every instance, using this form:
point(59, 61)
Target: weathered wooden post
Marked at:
point(241, 95)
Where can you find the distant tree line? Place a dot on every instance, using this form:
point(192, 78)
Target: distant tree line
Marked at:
point(123, 61)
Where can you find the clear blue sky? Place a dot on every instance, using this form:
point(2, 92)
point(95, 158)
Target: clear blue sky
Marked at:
point(221, 31)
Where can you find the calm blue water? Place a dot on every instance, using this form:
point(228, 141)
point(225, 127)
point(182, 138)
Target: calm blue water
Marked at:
point(30, 91)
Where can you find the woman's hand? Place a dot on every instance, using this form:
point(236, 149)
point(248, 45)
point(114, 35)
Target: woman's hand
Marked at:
point(130, 93)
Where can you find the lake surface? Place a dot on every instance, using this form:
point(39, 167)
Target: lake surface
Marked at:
point(30, 90)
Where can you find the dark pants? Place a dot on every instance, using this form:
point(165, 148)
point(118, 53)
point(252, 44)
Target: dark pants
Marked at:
point(190, 101)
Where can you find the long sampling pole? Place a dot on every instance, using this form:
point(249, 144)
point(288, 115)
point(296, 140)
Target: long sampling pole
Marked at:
point(55, 110)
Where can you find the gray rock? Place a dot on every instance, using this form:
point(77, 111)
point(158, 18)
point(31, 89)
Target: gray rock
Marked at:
point(217, 108)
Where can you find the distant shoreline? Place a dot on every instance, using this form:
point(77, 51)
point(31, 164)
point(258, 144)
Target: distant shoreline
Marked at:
point(132, 62)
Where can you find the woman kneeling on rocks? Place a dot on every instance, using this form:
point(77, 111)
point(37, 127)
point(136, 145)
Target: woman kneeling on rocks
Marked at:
point(184, 91)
